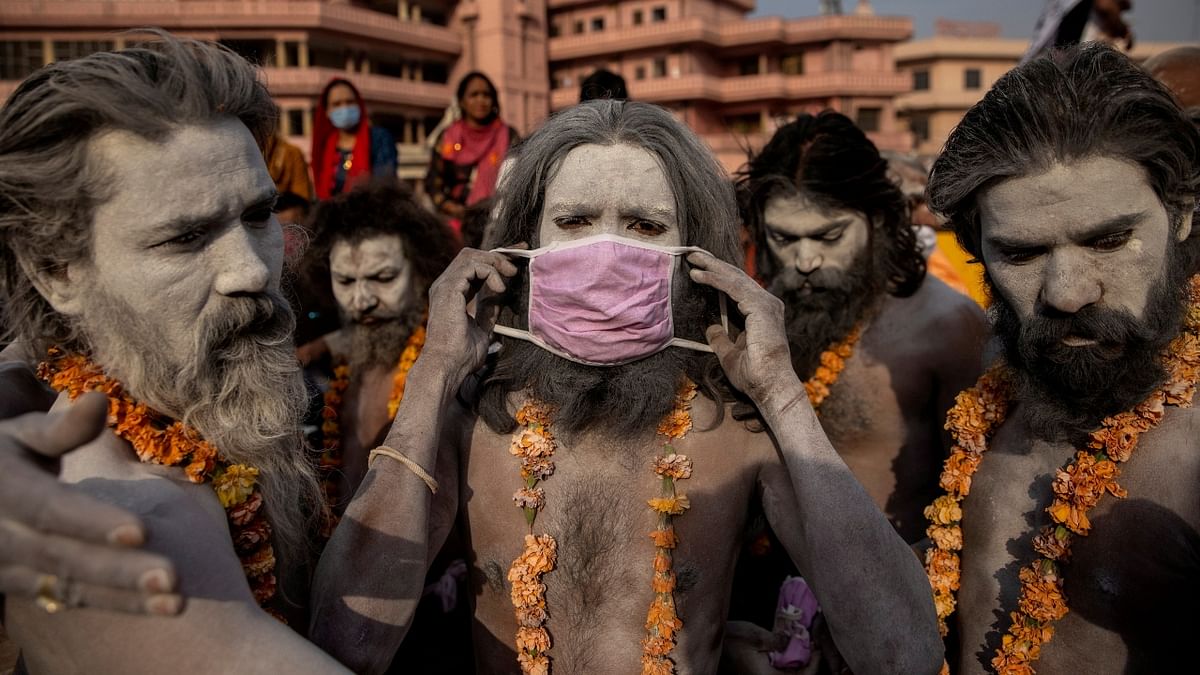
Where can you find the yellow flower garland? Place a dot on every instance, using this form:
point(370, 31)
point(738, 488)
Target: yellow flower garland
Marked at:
point(533, 442)
point(159, 440)
point(1077, 487)
point(830, 367)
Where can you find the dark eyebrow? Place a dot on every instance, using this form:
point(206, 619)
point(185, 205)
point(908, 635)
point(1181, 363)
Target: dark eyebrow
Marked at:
point(819, 232)
point(1112, 225)
point(188, 223)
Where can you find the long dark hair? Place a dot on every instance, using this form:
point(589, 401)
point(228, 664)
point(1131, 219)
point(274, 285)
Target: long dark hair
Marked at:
point(1070, 104)
point(829, 160)
point(462, 91)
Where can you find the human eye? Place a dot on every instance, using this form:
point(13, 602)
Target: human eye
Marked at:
point(1020, 256)
point(571, 222)
point(1111, 242)
point(779, 237)
point(647, 227)
point(834, 235)
point(190, 239)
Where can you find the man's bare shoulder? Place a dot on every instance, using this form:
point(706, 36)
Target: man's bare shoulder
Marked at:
point(935, 306)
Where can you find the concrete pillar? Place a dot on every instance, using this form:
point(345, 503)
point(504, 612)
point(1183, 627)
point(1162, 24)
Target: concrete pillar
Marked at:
point(302, 53)
point(416, 13)
point(308, 122)
point(763, 63)
point(402, 10)
point(365, 64)
point(351, 66)
point(281, 54)
point(47, 52)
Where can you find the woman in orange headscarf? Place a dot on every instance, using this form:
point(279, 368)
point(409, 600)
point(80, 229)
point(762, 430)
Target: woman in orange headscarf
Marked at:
point(468, 153)
point(345, 146)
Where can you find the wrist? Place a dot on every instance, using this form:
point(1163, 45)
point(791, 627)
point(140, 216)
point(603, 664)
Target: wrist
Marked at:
point(785, 394)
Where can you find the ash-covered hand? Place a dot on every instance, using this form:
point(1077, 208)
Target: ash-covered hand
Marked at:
point(456, 338)
point(758, 362)
point(61, 546)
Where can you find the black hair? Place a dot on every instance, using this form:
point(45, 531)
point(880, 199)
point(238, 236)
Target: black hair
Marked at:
point(462, 91)
point(603, 84)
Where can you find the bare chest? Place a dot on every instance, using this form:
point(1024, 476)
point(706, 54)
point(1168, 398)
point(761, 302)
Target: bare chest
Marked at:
point(596, 509)
point(1133, 570)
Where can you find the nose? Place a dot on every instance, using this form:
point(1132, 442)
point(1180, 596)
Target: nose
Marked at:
point(1069, 283)
point(808, 259)
point(245, 263)
point(363, 300)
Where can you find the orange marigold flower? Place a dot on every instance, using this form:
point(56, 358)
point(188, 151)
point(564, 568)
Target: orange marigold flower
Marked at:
point(1153, 408)
point(665, 538)
point(1041, 599)
point(657, 665)
point(824, 375)
point(831, 360)
point(530, 498)
point(944, 511)
point(1053, 542)
point(534, 414)
point(234, 484)
point(676, 424)
point(674, 505)
point(673, 466)
point(533, 640)
point(943, 604)
point(531, 616)
point(530, 443)
point(662, 560)
point(540, 468)
point(1028, 630)
point(261, 562)
point(533, 665)
point(948, 538)
point(656, 646)
point(957, 472)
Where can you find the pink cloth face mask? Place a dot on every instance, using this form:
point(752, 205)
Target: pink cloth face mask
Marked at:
point(602, 300)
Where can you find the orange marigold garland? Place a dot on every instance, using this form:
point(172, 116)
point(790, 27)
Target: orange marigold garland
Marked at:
point(833, 361)
point(159, 440)
point(1077, 487)
point(662, 621)
point(331, 433)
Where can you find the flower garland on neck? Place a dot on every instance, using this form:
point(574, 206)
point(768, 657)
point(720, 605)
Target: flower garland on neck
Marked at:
point(331, 432)
point(831, 365)
point(533, 442)
point(159, 440)
point(1078, 487)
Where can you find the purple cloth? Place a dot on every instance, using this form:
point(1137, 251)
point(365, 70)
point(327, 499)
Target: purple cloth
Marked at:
point(794, 615)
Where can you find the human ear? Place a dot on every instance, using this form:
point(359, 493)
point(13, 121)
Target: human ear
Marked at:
point(1185, 224)
point(61, 285)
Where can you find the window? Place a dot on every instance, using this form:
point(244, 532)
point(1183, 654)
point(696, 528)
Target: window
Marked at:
point(259, 52)
point(748, 66)
point(19, 59)
point(792, 64)
point(748, 123)
point(972, 79)
point(868, 118)
point(291, 54)
point(919, 126)
point(638, 16)
point(64, 51)
point(294, 122)
point(660, 67)
point(598, 24)
point(639, 73)
point(920, 80)
point(578, 27)
point(555, 30)
point(658, 14)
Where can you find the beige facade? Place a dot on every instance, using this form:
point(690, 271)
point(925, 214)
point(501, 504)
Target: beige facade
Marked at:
point(947, 74)
point(731, 78)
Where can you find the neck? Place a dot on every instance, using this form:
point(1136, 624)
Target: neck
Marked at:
point(346, 139)
point(474, 123)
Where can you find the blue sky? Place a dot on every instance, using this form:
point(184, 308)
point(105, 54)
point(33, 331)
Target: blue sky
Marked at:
point(1153, 20)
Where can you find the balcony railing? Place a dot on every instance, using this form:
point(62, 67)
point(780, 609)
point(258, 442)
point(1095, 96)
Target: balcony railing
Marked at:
point(352, 22)
point(774, 86)
point(765, 32)
point(374, 88)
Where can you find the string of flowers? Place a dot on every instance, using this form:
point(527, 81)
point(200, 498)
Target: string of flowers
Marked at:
point(830, 367)
point(331, 432)
point(662, 621)
point(534, 444)
point(159, 440)
point(1077, 488)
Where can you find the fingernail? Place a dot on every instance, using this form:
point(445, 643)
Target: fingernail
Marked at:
point(126, 535)
point(164, 605)
point(155, 581)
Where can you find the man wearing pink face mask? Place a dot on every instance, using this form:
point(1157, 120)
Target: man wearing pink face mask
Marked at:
point(591, 455)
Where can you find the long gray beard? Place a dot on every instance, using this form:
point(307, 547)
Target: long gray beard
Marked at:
point(240, 388)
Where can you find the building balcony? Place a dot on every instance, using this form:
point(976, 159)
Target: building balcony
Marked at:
point(376, 89)
point(552, 5)
point(346, 21)
point(938, 100)
point(750, 88)
point(766, 32)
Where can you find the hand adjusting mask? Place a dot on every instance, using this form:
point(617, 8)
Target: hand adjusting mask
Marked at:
point(602, 300)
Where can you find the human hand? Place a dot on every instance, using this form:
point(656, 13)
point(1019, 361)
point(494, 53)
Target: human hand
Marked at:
point(456, 338)
point(61, 546)
point(758, 363)
point(746, 646)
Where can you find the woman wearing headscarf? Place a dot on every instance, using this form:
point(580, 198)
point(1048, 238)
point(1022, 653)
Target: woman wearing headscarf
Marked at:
point(467, 154)
point(346, 147)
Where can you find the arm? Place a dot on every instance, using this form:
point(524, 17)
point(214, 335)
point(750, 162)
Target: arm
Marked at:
point(872, 589)
point(220, 630)
point(372, 573)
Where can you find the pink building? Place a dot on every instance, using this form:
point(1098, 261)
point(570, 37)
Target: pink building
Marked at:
point(729, 77)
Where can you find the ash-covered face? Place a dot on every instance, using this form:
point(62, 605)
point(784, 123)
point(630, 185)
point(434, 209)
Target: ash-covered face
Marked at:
point(372, 279)
point(813, 248)
point(1088, 277)
point(609, 189)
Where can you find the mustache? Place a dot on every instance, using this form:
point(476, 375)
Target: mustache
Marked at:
point(790, 280)
point(1111, 329)
point(265, 319)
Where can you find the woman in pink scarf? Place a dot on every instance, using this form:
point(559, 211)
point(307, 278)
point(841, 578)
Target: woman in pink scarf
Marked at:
point(467, 155)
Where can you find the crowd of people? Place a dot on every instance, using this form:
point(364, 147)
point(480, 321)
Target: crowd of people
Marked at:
point(252, 423)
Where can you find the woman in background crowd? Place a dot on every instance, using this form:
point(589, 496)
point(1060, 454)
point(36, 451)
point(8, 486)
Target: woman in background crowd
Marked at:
point(346, 147)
